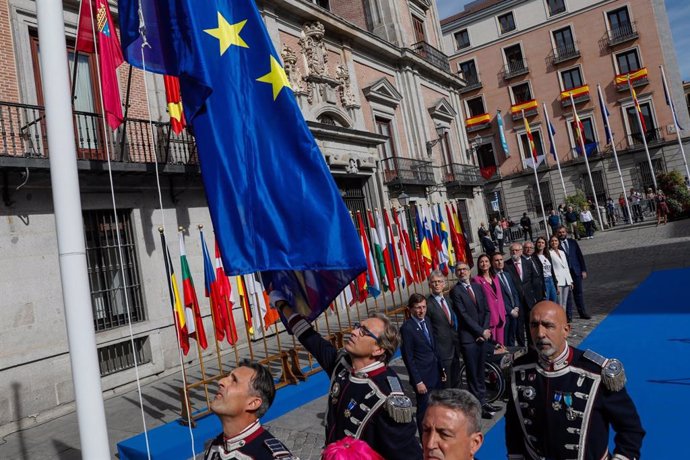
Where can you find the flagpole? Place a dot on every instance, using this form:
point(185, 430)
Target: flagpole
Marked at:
point(93, 432)
point(555, 151)
point(638, 113)
point(675, 121)
point(584, 153)
point(607, 126)
point(535, 164)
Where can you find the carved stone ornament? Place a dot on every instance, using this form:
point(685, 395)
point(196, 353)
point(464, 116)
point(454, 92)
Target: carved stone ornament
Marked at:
point(314, 49)
point(292, 70)
point(347, 97)
point(352, 167)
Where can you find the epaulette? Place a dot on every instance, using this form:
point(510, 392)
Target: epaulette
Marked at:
point(279, 450)
point(397, 405)
point(612, 372)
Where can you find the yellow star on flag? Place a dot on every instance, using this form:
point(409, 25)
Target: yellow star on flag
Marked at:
point(276, 77)
point(227, 34)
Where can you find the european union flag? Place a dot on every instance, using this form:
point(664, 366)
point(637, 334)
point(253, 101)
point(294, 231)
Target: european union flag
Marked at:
point(273, 202)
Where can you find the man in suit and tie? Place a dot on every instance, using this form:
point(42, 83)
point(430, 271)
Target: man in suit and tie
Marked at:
point(523, 270)
point(511, 298)
point(473, 311)
point(444, 325)
point(578, 270)
point(419, 355)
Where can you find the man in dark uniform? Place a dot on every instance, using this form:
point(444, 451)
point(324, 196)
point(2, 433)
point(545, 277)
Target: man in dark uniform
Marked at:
point(366, 400)
point(420, 355)
point(564, 400)
point(444, 324)
point(243, 397)
point(473, 311)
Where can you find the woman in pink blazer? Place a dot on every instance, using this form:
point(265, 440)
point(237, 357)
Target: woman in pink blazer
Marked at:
point(494, 297)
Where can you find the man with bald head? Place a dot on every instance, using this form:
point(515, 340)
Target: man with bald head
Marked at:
point(564, 400)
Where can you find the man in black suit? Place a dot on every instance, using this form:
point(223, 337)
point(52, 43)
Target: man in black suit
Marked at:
point(419, 355)
point(528, 253)
point(578, 270)
point(511, 298)
point(444, 324)
point(469, 301)
point(523, 270)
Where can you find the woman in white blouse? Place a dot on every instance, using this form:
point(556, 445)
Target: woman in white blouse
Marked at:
point(588, 221)
point(561, 270)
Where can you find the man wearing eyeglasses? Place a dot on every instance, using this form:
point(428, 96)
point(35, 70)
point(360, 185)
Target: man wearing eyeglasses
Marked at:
point(444, 326)
point(420, 355)
point(365, 399)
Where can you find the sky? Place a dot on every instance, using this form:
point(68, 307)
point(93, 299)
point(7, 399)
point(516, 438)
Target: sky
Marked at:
point(678, 14)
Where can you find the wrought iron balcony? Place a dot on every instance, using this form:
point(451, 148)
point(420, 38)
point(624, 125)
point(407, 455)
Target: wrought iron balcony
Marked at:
point(515, 69)
point(565, 53)
point(23, 135)
point(457, 174)
point(622, 33)
point(472, 83)
point(431, 55)
point(407, 171)
point(652, 136)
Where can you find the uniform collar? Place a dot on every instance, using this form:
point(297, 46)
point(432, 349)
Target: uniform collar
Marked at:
point(243, 437)
point(369, 370)
point(560, 362)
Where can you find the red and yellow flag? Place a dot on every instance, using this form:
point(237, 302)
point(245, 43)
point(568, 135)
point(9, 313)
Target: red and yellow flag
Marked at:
point(638, 110)
point(175, 302)
point(173, 98)
point(530, 138)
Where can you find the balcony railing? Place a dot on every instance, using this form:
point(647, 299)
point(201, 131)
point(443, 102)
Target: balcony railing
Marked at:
point(462, 175)
point(431, 55)
point(23, 134)
point(565, 53)
point(652, 136)
point(515, 69)
point(622, 33)
point(472, 83)
point(408, 171)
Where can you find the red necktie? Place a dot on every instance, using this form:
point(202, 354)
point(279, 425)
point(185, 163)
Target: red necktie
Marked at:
point(519, 269)
point(445, 310)
point(471, 293)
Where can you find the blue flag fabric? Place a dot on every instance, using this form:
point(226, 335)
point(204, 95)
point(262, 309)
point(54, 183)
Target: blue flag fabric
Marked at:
point(552, 132)
point(670, 103)
point(502, 134)
point(605, 116)
point(273, 202)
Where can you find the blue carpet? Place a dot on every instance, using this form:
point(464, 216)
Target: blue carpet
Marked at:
point(650, 333)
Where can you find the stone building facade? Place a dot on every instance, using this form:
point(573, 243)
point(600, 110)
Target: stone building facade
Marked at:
point(517, 55)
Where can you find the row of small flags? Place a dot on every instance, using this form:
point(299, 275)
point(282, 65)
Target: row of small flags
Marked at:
point(250, 294)
point(434, 241)
point(392, 261)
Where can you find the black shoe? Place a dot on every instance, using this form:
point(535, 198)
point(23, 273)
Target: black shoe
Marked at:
point(492, 408)
point(487, 415)
point(585, 316)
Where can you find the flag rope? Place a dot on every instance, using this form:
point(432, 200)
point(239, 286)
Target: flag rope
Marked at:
point(118, 236)
point(190, 423)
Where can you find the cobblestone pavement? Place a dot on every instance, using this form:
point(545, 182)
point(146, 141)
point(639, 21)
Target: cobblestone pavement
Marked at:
point(618, 261)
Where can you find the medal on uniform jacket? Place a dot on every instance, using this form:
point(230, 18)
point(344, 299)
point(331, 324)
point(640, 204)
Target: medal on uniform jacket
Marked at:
point(568, 400)
point(556, 404)
point(351, 405)
point(529, 393)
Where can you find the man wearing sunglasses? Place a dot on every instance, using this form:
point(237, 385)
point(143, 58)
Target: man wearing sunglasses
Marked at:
point(365, 399)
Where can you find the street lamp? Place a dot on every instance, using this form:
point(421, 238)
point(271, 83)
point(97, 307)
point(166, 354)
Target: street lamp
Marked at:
point(403, 199)
point(440, 131)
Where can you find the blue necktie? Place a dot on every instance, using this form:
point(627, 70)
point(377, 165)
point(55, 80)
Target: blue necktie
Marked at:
point(426, 331)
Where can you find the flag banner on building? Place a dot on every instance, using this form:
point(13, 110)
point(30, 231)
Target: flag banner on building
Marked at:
point(173, 99)
point(372, 286)
point(267, 184)
point(377, 250)
point(427, 226)
point(175, 302)
point(195, 324)
point(109, 53)
point(458, 248)
point(502, 133)
point(217, 290)
point(225, 294)
point(447, 254)
point(534, 159)
point(605, 116)
point(552, 132)
point(669, 100)
point(245, 303)
point(639, 74)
